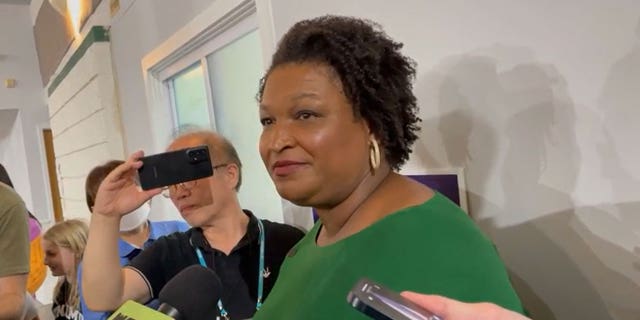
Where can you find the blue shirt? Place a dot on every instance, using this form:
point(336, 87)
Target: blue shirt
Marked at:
point(127, 252)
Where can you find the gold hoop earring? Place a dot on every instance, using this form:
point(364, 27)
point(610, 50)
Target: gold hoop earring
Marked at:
point(374, 154)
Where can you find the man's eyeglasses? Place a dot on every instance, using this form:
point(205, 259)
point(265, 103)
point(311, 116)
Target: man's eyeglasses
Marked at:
point(188, 185)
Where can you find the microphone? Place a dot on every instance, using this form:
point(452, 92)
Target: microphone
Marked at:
point(192, 294)
point(132, 310)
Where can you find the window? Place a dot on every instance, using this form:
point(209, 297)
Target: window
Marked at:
point(235, 71)
point(207, 74)
point(189, 97)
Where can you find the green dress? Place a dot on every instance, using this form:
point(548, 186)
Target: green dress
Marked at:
point(429, 248)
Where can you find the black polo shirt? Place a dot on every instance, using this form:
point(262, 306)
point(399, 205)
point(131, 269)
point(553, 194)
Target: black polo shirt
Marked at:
point(238, 271)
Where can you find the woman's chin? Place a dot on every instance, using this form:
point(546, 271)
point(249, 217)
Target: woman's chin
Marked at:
point(297, 196)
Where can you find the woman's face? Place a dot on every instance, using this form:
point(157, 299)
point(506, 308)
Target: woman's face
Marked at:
point(60, 260)
point(314, 148)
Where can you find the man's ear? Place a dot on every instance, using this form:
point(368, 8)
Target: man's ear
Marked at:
point(232, 172)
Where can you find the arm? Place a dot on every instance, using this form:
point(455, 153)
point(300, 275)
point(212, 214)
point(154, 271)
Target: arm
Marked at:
point(105, 284)
point(12, 294)
point(87, 313)
point(455, 310)
point(101, 262)
point(14, 246)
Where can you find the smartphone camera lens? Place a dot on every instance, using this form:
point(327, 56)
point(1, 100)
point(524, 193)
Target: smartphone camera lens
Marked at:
point(197, 155)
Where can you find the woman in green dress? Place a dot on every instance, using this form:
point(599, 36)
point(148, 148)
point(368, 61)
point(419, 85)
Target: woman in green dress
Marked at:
point(339, 119)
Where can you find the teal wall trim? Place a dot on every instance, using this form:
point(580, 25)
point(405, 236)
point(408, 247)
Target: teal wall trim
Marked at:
point(96, 34)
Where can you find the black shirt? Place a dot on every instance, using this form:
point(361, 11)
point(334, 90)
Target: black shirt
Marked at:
point(238, 271)
point(61, 308)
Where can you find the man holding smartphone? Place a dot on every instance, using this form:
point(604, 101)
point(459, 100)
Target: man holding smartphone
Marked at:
point(137, 232)
point(244, 251)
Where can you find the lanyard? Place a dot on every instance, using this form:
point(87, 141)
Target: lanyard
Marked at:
point(223, 313)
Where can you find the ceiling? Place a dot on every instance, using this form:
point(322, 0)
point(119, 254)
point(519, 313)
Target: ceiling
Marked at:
point(25, 2)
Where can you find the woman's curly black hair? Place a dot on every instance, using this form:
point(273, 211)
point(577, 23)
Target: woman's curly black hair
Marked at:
point(375, 76)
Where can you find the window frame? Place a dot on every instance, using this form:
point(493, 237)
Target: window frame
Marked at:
point(220, 24)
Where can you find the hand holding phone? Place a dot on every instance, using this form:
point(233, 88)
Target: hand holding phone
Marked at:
point(380, 303)
point(174, 167)
point(119, 192)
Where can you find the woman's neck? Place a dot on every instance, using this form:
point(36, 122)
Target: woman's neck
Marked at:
point(354, 213)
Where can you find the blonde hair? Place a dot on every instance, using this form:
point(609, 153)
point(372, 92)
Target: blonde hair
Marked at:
point(70, 234)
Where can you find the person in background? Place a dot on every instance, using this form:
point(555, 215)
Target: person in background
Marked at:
point(14, 265)
point(449, 309)
point(136, 231)
point(245, 252)
point(37, 269)
point(64, 245)
point(339, 119)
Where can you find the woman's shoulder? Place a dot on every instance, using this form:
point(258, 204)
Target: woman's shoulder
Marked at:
point(440, 213)
point(440, 207)
point(421, 202)
point(400, 194)
point(436, 220)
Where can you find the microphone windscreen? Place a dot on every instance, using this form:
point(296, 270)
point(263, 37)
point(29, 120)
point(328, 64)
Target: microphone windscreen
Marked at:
point(135, 311)
point(194, 292)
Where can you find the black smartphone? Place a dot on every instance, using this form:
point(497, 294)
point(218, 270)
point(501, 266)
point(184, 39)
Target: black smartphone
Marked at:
point(174, 167)
point(380, 303)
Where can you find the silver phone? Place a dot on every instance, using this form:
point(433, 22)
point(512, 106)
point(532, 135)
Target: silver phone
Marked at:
point(380, 303)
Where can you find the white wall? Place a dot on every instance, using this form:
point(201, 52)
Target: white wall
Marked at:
point(139, 27)
point(12, 151)
point(85, 122)
point(137, 30)
point(538, 101)
point(18, 60)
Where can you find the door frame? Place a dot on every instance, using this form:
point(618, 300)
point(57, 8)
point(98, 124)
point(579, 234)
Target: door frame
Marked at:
point(49, 167)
